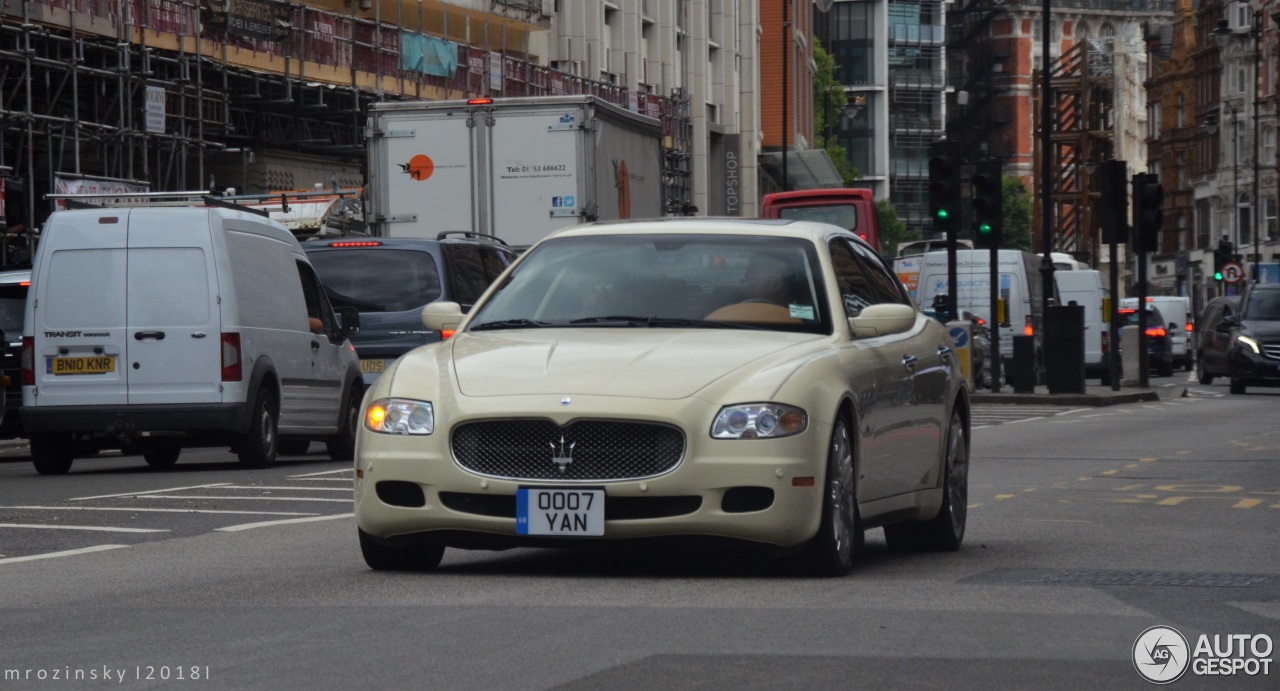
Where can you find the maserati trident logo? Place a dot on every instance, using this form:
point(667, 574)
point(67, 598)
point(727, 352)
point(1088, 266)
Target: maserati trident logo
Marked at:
point(562, 456)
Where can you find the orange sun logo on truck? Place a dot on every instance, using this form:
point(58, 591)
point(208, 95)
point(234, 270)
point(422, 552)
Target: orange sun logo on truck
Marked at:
point(420, 167)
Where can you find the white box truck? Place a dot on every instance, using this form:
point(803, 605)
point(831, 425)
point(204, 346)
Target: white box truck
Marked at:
point(516, 168)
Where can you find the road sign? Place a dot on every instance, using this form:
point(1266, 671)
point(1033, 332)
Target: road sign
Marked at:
point(1232, 272)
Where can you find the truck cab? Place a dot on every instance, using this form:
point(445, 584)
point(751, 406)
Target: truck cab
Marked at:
point(849, 208)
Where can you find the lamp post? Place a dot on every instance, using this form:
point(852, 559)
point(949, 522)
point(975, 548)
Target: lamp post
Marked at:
point(786, 48)
point(1224, 33)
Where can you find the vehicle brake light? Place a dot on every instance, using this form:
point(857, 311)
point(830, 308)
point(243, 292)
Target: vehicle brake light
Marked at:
point(1190, 327)
point(231, 367)
point(28, 361)
point(981, 321)
point(356, 243)
point(1028, 330)
point(1157, 332)
point(1106, 342)
point(479, 101)
point(446, 334)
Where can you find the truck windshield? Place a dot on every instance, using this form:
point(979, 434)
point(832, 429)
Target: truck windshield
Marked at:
point(843, 215)
point(378, 279)
point(663, 281)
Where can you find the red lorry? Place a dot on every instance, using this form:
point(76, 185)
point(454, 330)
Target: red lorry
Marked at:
point(846, 207)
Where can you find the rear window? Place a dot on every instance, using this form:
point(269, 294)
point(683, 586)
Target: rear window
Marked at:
point(378, 279)
point(13, 303)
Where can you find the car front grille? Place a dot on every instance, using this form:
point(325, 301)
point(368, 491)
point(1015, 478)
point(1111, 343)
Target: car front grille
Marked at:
point(1271, 350)
point(583, 451)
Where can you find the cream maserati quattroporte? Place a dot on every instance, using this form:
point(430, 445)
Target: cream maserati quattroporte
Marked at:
point(766, 382)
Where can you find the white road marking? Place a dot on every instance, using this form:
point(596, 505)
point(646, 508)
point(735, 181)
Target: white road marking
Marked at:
point(292, 489)
point(325, 472)
point(323, 479)
point(82, 527)
point(130, 508)
point(175, 496)
point(153, 491)
point(68, 553)
point(264, 524)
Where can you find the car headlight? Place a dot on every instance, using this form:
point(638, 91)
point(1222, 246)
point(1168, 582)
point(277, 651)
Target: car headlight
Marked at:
point(758, 421)
point(400, 416)
point(1250, 344)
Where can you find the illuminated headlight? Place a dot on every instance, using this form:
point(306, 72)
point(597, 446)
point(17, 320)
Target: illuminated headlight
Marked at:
point(758, 421)
point(400, 416)
point(1250, 344)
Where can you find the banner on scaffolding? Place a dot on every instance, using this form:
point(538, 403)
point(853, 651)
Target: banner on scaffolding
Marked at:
point(263, 20)
point(428, 54)
point(111, 191)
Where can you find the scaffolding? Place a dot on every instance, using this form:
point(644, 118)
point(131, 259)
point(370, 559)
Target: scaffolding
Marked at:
point(150, 95)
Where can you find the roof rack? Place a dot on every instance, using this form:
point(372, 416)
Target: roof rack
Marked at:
point(98, 200)
point(471, 234)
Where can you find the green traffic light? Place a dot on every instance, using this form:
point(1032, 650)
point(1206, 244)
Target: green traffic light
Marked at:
point(984, 228)
point(1217, 275)
point(943, 214)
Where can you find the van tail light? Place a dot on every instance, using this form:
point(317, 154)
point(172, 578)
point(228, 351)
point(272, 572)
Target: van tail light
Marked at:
point(1106, 343)
point(446, 334)
point(1028, 329)
point(28, 361)
point(231, 362)
point(1190, 327)
point(1157, 332)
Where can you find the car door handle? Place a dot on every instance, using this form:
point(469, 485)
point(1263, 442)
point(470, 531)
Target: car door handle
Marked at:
point(910, 362)
point(945, 353)
point(315, 345)
point(144, 335)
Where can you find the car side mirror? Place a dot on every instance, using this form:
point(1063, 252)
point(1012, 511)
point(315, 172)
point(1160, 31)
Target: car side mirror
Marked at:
point(1172, 328)
point(349, 318)
point(442, 316)
point(1227, 324)
point(882, 320)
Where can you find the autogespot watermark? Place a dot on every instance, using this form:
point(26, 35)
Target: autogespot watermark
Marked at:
point(1162, 655)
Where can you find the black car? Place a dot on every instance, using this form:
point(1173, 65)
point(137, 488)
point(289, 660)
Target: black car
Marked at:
point(1253, 356)
point(389, 280)
point(13, 305)
point(1159, 337)
point(1212, 343)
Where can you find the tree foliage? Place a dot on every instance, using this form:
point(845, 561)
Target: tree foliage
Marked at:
point(893, 232)
point(829, 99)
point(1017, 214)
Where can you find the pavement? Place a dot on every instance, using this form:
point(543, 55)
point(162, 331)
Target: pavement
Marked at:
point(1092, 395)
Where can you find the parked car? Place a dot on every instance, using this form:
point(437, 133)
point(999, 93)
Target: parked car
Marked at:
point(1214, 343)
point(1253, 358)
point(768, 382)
point(1159, 340)
point(390, 280)
point(168, 326)
point(13, 301)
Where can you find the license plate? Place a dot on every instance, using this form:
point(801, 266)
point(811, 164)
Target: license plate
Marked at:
point(373, 366)
point(99, 364)
point(571, 512)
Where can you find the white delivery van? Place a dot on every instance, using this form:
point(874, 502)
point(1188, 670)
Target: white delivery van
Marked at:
point(1085, 288)
point(1176, 309)
point(1021, 290)
point(173, 326)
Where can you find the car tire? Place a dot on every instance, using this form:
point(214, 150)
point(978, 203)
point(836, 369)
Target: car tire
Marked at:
point(259, 446)
point(342, 446)
point(1202, 372)
point(840, 536)
point(293, 447)
point(421, 554)
point(1237, 385)
point(161, 453)
point(52, 454)
point(1188, 365)
point(1165, 368)
point(944, 532)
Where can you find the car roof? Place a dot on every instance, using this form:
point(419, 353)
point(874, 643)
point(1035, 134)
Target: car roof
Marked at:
point(448, 237)
point(15, 276)
point(709, 225)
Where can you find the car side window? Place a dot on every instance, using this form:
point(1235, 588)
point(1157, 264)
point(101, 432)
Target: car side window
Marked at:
point(887, 288)
point(495, 262)
point(856, 291)
point(319, 311)
point(468, 274)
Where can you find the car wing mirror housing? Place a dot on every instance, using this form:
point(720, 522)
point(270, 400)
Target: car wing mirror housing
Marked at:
point(882, 320)
point(349, 318)
point(442, 315)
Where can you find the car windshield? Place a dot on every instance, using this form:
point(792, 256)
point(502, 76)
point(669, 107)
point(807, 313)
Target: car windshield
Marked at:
point(1263, 304)
point(662, 281)
point(1130, 318)
point(842, 215)
point(378, 279)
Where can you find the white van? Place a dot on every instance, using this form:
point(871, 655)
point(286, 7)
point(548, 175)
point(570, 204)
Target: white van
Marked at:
point(1177, 309)
point(1020, 288)
point(1085, 288)
point(173, 326)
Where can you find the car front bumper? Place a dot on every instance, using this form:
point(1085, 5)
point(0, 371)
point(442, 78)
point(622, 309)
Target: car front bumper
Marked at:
point(1253, 368)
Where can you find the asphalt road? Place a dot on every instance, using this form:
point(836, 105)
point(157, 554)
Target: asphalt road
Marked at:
point(1087, 526)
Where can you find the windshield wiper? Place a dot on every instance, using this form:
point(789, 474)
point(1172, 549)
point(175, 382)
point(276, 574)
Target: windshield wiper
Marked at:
point(508, 324)
point(624, 320)
point(659, 322)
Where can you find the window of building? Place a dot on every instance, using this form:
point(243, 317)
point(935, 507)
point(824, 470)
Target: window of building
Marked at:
point(1181, 113)
point(1184, 234)
point(1269, 145)
point(1243, 219)
point(1270, 223)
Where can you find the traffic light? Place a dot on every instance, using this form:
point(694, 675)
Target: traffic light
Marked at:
point(1222, 255)
point(1114, 202)
point(1148, 211)
point(988, 204)
point(944, 186)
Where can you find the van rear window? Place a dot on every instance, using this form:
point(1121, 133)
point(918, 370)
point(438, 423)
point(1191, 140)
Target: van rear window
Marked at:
point(378, 279)
point(89, 292)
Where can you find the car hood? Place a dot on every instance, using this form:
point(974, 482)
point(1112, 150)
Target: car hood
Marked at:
point(643, 363)
point(1261, 328)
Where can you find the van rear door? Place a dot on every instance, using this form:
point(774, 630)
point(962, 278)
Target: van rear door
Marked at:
point(173, 339)
point(78, 314)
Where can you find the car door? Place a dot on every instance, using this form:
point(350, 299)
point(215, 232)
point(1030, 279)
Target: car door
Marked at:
point(319, 404)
